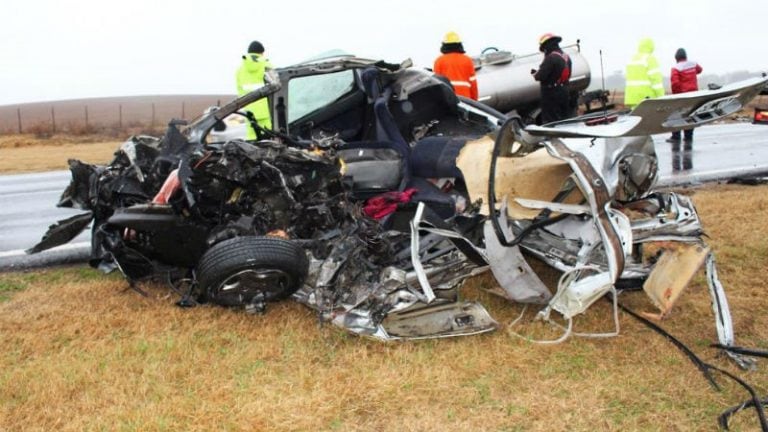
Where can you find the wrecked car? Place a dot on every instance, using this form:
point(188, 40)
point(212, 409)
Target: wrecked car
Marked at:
point(379, 192)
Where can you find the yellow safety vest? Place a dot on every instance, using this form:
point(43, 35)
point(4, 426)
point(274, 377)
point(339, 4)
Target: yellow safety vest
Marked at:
point(250, 77)
point(643, 76)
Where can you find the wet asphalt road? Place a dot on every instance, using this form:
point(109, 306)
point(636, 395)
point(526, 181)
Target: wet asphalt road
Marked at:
point(28, 201)
point(27, 208)
point(717, 152)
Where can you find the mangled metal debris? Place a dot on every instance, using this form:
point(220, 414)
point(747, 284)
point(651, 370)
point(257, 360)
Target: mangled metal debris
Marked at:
point(376, 197)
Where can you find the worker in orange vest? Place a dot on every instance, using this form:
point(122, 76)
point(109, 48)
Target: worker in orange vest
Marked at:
point(457, 66)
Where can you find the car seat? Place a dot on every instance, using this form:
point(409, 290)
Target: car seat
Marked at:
point(389, 142)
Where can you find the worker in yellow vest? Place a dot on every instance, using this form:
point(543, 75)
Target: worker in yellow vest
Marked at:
point(250, 77)
point(643, 76)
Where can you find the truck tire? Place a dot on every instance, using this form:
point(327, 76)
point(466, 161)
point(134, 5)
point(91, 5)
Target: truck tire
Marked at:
point(239, 271)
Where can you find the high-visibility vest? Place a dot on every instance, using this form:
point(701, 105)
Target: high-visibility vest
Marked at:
point(643, 76)
point(460, 71)
point(250, 77)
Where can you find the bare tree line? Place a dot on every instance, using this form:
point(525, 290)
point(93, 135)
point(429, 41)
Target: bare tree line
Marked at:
point(95, 115)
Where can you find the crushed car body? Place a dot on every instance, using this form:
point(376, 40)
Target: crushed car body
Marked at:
point(379, 192)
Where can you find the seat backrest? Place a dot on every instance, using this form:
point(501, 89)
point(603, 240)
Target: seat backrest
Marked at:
point(386, 130)
point(370, 78)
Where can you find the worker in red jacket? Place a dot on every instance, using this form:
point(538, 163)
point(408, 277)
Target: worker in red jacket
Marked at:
point(457, 66)
point(684, 79)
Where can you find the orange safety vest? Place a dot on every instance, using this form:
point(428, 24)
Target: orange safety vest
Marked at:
point(460, 71)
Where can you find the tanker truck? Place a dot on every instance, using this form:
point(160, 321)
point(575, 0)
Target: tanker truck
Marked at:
point(504, 81)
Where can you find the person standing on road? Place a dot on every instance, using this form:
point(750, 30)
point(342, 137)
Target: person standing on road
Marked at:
point(643, 76)
point(250, 76)
point(553, 75)
point(456, 66)
point(684, 79)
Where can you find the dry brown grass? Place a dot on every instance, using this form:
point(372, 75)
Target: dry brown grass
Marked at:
point(27, 153)
point(82, 352)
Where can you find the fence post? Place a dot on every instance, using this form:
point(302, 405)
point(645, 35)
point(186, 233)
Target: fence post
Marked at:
point(152, 123)
point(218, 102)
point(86, 116)
point(53, 119)
point(18, 114)
point(120, 115)
point(182, 110)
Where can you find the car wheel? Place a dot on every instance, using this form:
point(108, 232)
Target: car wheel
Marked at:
point(242, 270)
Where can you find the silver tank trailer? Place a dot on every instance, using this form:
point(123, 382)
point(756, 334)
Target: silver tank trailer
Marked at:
point(504, 80)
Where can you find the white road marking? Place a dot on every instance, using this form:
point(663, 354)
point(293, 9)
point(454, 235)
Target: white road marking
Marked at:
point(21, 252)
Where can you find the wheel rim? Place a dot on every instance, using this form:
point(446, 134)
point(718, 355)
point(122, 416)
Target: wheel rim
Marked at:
point(242, 286)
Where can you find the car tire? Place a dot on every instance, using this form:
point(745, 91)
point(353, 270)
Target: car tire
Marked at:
point(244, 270)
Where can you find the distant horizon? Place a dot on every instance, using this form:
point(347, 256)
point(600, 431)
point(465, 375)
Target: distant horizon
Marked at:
point(127, 96)
point(109, 111)
point(595, 83)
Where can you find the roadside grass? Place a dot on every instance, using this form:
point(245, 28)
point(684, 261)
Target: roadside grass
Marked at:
point(82, 351)
point(25, 153)
point(10, 285)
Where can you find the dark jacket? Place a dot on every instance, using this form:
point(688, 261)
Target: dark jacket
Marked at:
point(555, 69)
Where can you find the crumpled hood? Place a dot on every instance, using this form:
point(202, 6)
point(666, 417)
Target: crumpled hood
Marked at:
point(646, 46)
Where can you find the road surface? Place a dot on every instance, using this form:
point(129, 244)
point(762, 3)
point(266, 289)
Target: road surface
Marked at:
point(27, 208)
point(718, 153)
point(28, 201)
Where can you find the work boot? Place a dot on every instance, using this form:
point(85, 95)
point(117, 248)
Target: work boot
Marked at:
point(688, 144)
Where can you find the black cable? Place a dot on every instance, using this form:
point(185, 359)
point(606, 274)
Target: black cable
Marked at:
point(741, 350)
point(699, 363)
point(753, 402)
point(492, 185)
point(705, 368)
point(722, 420)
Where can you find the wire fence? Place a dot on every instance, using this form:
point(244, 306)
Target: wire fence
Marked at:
point(95, 115)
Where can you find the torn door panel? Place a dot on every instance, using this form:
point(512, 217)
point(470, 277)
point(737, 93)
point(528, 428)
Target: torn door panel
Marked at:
point(62, 232)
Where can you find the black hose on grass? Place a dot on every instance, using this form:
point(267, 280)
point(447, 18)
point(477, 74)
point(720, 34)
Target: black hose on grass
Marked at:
point(753, 402)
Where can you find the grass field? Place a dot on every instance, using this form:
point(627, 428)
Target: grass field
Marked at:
point(25, 153)
point(81, 351)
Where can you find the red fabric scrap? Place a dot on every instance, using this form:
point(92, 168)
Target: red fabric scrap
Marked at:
point(386, 203)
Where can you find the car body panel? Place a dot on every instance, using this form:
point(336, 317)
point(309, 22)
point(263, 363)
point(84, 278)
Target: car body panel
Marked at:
point(664, 114)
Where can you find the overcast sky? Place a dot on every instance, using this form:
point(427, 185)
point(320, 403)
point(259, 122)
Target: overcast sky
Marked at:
point(54, 50)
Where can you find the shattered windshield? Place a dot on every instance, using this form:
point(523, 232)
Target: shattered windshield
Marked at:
point(310, 93)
